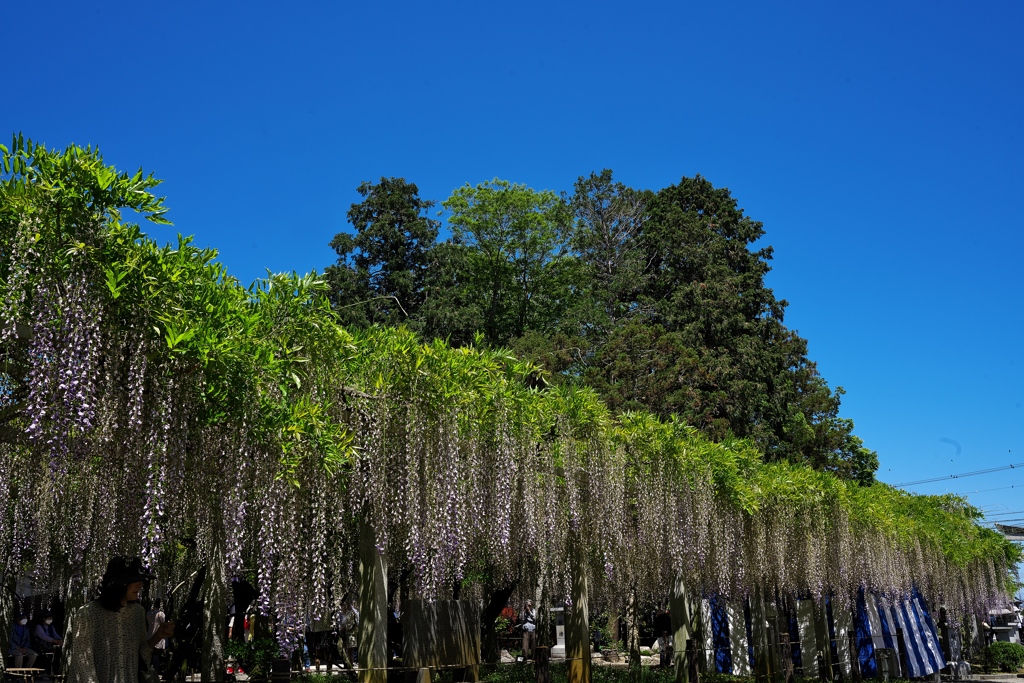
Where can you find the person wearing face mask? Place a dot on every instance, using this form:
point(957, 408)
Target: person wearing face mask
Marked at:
point(46, 635)
point(24, 656)
point(110, 633)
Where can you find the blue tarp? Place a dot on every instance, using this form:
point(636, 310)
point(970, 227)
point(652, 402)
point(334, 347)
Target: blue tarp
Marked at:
point(720, 636)
point(923, 653)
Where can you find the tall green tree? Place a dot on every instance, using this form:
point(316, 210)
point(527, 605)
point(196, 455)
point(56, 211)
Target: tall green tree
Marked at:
point(743, 372)
point(507, 266)
point(608, 222)
point(655, 299)
point(379, 275)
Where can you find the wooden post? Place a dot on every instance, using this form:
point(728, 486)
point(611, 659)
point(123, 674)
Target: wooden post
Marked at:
point(577, 649)
point(542, 663)
point(692, 654)
point(423, 676)
point(215, 608)
point(854, 658)
point(738, 639)
point(786, 657)
point(826, 670)
point(681, 613)
point(901, 643)
point(842, 617)
point(761, 630)
point(373, 605)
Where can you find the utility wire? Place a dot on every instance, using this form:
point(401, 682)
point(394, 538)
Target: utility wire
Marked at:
point(961, 475)
point(1000, 488)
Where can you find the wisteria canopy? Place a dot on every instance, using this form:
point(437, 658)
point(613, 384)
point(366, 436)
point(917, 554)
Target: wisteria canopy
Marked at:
point(150, 404)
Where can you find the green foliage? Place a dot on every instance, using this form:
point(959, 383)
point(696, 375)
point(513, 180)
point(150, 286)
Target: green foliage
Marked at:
point(1005, 657)
point(520, 672)
point(656, 300)
point(75, 182)
point(485, 448)
point(524, 673)
point(379, 276)
point(507, 260)
point(255, 656)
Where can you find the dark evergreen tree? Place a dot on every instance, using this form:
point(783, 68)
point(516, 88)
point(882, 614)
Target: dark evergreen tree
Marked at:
point(656, 299)
point(379, 275)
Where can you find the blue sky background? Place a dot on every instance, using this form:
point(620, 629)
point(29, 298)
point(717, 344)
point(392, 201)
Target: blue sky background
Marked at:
point(880, 144)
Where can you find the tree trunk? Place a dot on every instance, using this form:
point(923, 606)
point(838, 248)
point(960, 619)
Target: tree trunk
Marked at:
point(544, 625)
point(578, 624)
point(684, 616)
point(373, 605)
point(75, 599)
point(6, 615)
point(215, 608)
point(633, 631)
point(760, 627)
point(491, 653)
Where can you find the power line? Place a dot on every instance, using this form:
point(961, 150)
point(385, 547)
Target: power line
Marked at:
point(999, 488)
point(962, 475)
point(1015, 521)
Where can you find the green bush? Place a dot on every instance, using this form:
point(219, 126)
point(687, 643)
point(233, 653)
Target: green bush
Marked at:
point(255, 655)
point(524, 673)
point(646, 674)
point(1006, 657)
point(512, 673)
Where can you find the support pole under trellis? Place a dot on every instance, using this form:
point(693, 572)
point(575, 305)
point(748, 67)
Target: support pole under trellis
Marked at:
point(683, 615)
point(578, 636)
point(373, 605)
point(215, 607)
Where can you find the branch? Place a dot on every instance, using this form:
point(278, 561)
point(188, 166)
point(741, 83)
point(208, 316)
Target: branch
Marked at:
point(14, 437)
point(10, 413)
point(352, 391)
point(383, 296)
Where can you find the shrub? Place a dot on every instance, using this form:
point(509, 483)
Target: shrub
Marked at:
point(1006, 657)
point(255, 655)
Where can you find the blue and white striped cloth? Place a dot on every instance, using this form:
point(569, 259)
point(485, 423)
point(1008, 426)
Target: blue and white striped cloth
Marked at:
point(877, 621)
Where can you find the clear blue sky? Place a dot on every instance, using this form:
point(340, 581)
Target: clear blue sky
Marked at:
point(880, 144)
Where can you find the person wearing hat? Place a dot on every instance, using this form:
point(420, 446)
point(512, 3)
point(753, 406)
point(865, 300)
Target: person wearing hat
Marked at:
point(110, 633)
point(21, 652)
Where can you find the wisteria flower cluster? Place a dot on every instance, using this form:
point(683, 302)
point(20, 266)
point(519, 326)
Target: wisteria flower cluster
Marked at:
point(151, 405)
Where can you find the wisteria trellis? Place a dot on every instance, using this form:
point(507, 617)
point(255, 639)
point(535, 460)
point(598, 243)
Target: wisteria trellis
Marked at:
point(149, 404)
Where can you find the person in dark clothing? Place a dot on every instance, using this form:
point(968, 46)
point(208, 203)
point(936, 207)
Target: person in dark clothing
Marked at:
point(21, 650)
point(46, 634)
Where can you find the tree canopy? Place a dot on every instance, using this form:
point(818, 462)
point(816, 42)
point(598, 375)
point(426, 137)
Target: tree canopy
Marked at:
point(153, 405)
point(379, 276)
point(656, 300)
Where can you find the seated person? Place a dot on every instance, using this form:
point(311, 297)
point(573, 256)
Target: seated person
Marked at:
point(47, 638)
point(23, 655)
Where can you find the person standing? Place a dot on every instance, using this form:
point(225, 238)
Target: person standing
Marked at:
point(156, 618)
point(665, 649)
point(20, 650)
point(529, 630)
point(110, 633)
